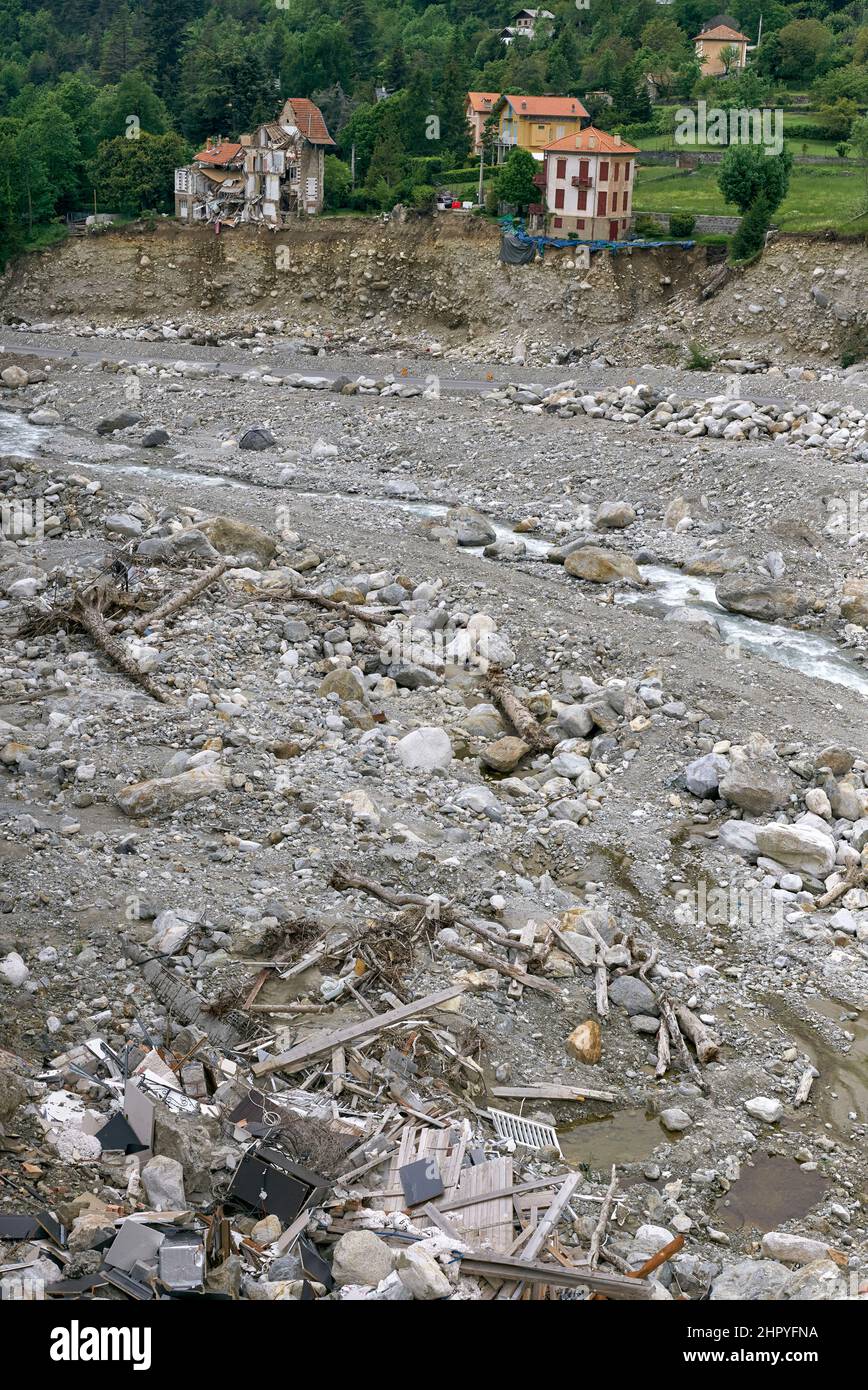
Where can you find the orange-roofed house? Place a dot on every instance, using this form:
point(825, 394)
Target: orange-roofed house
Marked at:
point(588, 182)
point(721, 33)
point(478, 108)
point(532, 123)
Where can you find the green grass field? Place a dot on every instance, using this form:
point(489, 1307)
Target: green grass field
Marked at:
point(820, 196)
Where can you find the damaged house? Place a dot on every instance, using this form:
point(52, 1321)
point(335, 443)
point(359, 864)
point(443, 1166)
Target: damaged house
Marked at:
point(274, 174)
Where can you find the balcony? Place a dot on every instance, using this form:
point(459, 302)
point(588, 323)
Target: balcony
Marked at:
point(581, 181)
point(539, 180)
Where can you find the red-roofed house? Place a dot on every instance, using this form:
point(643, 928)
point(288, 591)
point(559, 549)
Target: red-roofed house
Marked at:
point(588, 183)
point(532, 123)
point(271, 175)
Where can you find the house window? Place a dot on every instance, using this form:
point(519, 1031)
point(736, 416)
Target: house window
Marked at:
point(604, 170)
point(583, 168)
point(580, 226)
point(560, 132)
point(627, 172)
point(583, 199)
point(559, 197)
point(601, 205)
point(561, 171)
point(558, 221)
point(614, 207)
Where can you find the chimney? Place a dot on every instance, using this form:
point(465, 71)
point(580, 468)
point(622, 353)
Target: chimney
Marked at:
point(617, 139)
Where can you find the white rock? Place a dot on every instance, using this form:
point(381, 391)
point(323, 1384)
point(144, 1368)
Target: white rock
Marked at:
point(426, 749)
point(13, 969)
point(764, 1108)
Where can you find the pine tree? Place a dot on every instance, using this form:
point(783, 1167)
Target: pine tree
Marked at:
point(751, 235)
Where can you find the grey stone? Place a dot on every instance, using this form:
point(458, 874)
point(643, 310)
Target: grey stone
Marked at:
point(751, 1281)
point(632, 994)
point(360, 1257)
point(163, 1181)
point(702, 776)
point(258, 438)
point(756, 779)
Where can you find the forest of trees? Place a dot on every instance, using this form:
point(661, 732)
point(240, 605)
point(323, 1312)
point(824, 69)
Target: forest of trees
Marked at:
point(79, 78)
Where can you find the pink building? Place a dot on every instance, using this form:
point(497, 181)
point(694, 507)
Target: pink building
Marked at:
point(588, 183)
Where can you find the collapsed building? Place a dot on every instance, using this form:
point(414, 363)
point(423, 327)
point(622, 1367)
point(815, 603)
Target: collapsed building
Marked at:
point(271, 175)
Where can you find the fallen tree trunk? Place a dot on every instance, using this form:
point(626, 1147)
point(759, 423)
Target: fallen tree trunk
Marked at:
point(87, 612)
point(379, 617)
point(525, 724)
point(487, 962)
point(668, 1015)
point(706, 1044)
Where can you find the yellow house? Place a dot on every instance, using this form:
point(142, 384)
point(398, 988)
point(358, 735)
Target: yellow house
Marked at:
point(721, 34)
point(532, 123)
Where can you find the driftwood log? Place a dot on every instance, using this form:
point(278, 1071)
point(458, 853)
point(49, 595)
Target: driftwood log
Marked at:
point(605, 1212)
point(664, 1055)
point(488, 962)
point(378, 617)
point(667, 1013)
point(706, 1044)
point(87, 611)
point(856, 877)
point(525, 724)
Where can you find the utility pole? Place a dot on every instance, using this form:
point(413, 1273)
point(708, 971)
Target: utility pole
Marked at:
point(353, 166)
point(481, 170)
point(760, 34)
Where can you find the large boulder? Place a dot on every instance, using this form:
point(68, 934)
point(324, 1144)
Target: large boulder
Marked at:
point(614, 516)
point(504, 754)
point(739, 837)
point(180, 545)
point(702, 776)
point(751, 1281)
point(854, 601)
point(793, 1249)
point(756, 779)
point(421, 1274)
point(819, 1282)
point(247, 543)
point(425, 749)
point(163, 1181)
point(190, 1139)
point(470, 526)
point(601, 566)
point(763, 598)
point(344, 683)
point(14, 377)
point(798, 847)
point(160, 796)
point(360, 1257)
point(633, 995)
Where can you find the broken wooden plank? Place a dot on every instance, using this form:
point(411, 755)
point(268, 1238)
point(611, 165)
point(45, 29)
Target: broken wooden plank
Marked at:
point(496, 1267)
point(314, 1047)
point(552, 1093)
